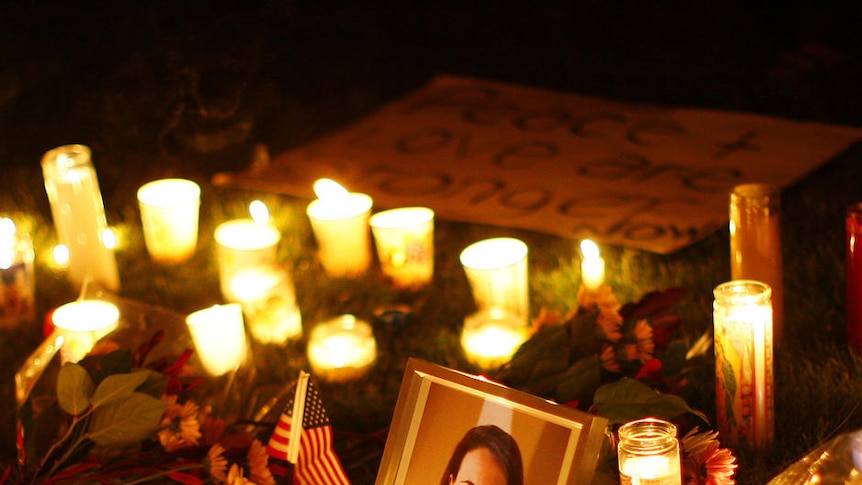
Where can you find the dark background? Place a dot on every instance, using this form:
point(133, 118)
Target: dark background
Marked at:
point(160, 89)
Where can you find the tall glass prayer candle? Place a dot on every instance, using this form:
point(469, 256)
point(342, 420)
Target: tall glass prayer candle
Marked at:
point(742, 317)
point(755, 243)
point(79, 214)
point(648, 452)
point(854, 275)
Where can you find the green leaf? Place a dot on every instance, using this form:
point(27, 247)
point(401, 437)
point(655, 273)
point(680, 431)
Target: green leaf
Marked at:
point(118, 386)
point(580, 381)
point(629, 399)
point(673, 359)
point(101, 366)
point(74, 388)
point(126, 421)
point(584, 331)
point(546, 352)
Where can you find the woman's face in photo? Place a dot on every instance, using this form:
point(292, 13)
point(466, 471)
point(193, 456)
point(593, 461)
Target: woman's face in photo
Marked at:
point(479, 468)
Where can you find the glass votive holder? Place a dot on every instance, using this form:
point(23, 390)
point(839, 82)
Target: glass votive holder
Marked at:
point(218, 333)
point(490, 338)
point(169, 218)
point(242, 244)
point(341, 349)
point(340, 227)
point(496, 270)
point(268, 302)
point(82, 323)
point(648, 452)
point(17, 281)
point(404, 239)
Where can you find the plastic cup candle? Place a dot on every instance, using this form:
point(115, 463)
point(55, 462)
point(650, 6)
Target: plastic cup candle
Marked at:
point(17, 283)
point(242, 244)
point(169, 217)
point(742, 317)
point(79, 214)
point(339, 220)
point(496, 270)
point(592, 265)
point(219, 336)
point(342, 349)
point(81, 324)
point(405, 245)
point(269, 304)
point(490, 338)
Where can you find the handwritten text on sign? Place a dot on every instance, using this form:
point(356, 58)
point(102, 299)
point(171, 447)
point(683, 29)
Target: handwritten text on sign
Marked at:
point(641, 176)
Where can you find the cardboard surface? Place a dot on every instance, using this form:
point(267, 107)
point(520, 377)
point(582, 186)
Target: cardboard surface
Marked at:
point(648, 177)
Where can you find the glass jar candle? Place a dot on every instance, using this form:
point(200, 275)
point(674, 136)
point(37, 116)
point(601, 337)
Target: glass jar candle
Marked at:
point(648, 452)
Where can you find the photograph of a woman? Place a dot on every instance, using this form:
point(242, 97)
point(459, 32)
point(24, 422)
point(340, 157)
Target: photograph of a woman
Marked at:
point(486, 455)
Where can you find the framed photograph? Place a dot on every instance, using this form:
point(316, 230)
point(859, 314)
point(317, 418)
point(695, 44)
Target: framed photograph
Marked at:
point(451, 427)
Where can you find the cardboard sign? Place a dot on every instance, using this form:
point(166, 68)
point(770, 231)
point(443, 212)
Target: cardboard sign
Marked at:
point(648, 177)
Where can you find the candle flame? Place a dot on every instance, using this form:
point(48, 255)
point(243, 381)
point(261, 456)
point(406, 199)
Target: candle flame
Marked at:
point(259, 211)
point(61, 255)
point(109, 238)
point(328, 189)
point(589, 249)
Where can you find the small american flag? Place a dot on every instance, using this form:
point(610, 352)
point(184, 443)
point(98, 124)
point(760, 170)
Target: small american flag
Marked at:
point(316, 463)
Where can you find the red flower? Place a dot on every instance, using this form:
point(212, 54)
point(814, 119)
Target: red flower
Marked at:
point(651, 370)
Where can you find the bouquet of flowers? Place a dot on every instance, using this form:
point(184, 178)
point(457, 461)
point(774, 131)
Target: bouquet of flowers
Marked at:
point(622, 362)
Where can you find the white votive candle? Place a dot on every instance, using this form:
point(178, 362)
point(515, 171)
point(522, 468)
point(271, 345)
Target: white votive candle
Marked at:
point(496, 270)
point(491, 338)
point(404, 239)
point(269, 303)
point(81, 324)
point(342, 349)
point(169, 217)
point(219, 336)
point(79, 214)
point(339, 220)
point(592, 265)
point(242, 244)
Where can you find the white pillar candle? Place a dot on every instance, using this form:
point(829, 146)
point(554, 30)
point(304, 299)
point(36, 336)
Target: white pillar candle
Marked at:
point(496, 270)
point(169, 218)
point(79, 214)
point(269, 303)
point(592, 265)
point(17, 283)
point(744, 363)
point(219, 336)
point(405, 245)
point(491, 338)
point(339, 220)
point(342, 349)
point(242, 244)
point(82, 323)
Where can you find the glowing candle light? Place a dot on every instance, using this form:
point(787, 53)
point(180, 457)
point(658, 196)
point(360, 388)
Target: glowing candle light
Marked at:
point(853, 266)
point(648, 452)
point(744, 363)
point(219, 336)
point(79, 214)
point(496, 270)
point(339, 220)
point(405, 245)
point(342, 349)
point(17, 282)
point(169, 217)
point(82, 323)
point(61, 255)
point(269, 304)
point(592, 265)
point(490, 338)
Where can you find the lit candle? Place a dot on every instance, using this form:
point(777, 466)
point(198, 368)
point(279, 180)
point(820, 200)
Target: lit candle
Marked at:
point(169, 217)
point(755, 243)
point(242, 244)
point(339, 220)
point(853, 264)
point(744, 363)
point(269, 304)
point(17, 284)
point(405, 245)
point(496, 270)
point(219, 336)
point(341, 349)
point(592, 265)
point(648, 452)
point(82, 323)
point(490, 338)
point(79, 214)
